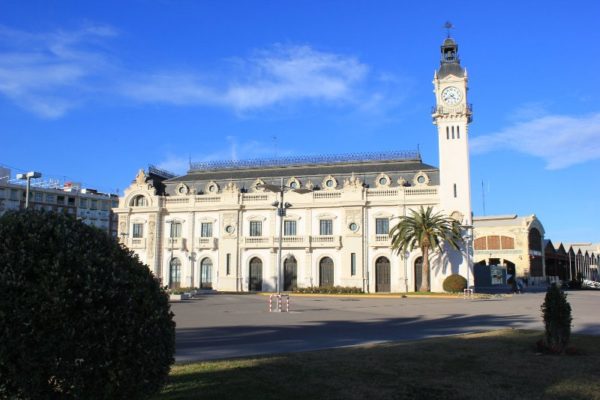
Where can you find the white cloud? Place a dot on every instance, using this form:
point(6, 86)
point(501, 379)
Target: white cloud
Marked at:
point(284, 73)
point(560, 140)
point(48, 73)
point(250, 149)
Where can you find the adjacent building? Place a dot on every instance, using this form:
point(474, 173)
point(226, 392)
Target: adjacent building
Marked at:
point(216, 226)
point(88, 205)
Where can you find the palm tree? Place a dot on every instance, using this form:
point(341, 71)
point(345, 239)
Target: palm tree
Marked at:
point(425, 230)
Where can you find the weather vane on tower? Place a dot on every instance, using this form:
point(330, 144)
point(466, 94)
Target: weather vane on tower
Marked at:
point(448, 25)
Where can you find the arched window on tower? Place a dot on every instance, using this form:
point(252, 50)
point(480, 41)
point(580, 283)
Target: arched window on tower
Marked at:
point(458, 132)
point(453, 132)
point(447, 132)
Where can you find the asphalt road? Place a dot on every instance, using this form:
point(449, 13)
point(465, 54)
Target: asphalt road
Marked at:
point(225, 326)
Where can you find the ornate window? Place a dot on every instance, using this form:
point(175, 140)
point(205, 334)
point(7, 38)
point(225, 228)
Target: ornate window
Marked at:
point(137, 231)
point(206, 229)
point(326, 227)
point(329, 182)
point(294, 183)
point(212, 187)
point(382, 181)
point(255, 228)
point(139, 201)
point(421, 179)
point(182, 189)
point(255, 185)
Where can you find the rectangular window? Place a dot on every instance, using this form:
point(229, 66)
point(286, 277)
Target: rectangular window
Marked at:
point(83, 203)
point(206, 229)
point(326, 227)
point(50, 198)
point(14, 194)
point(289, 228)
point(71, 201)
point(352, 264)
point(138, 231)
point(94, 205)
point(228, 264)
point(176, 229)
point(38, 197)
point(455, 190)
point(382, 226)
point(255, 228)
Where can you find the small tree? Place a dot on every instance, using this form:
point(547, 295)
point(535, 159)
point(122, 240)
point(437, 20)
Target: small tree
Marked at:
point(427, 231)
point(556, 311)
point(80, 316)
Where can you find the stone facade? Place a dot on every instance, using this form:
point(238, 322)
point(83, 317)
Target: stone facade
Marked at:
point(216, 227)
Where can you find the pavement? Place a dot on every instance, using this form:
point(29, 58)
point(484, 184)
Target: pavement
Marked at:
point(226, 326)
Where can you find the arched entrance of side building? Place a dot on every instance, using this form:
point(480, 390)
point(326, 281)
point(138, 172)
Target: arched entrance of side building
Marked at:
point(206, 273)
point(382, 275)
point(255, 281)
point(326, 272)
point(290, 274)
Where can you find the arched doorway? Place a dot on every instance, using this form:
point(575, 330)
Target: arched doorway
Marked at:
point(175, 273)
point(290, 274)
point(418, 273)
point(206, 274)
point(382, 275)
point(256, 281)
point(511, 272)
point(326, 272)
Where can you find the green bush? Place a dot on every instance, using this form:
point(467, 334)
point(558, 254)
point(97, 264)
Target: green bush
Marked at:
point(329, 290)
point(556, 311)
point(455, 283)
point(80, 316)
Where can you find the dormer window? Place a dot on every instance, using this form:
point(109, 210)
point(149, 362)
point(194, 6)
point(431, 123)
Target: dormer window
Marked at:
point(138, 201)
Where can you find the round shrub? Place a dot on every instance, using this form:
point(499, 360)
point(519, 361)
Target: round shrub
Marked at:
point(455, 283)
point(80, 316)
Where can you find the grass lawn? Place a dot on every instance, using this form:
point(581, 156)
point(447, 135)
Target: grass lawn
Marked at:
point(494, 365)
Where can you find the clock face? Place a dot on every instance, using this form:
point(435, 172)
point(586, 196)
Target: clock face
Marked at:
point(451, 95)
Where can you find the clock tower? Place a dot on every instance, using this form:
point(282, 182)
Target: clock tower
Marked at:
point(452, 114)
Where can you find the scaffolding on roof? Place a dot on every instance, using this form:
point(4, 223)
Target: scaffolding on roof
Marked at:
point(306, 160)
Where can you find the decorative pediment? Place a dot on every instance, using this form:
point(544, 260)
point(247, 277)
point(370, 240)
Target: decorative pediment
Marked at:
point(257, 218)
point(353, 183)
point(326, 216)
point(231, 188)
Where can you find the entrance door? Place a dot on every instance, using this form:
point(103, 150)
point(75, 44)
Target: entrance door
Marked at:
point(290, 274)
point(255, 282)
point(326, 272)
point(510, 270)
point(418, 273)
point(175, 273)
point(382, 275)
point(206, 274)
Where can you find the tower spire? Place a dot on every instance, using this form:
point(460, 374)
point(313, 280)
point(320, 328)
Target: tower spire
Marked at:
point(448, 25)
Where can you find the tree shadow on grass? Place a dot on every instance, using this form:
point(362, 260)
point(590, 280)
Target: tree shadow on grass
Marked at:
point(496, 365)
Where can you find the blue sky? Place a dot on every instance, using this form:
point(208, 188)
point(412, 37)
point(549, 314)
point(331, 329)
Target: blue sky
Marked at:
point(93, 91)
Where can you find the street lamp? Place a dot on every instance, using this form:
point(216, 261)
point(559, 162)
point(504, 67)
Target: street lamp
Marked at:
point(27, 176)
point(469, 243)
point(281, 212)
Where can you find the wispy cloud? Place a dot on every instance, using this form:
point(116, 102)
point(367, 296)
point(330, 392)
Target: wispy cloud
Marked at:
point(49, 73)
point(560, 140)
point(280, 74)
point(251, 149)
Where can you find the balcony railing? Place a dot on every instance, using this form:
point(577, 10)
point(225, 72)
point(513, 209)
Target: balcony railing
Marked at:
point(380, 241)
point(206, 243)
point(137, 243)
point(175, 243)
point(326, 241)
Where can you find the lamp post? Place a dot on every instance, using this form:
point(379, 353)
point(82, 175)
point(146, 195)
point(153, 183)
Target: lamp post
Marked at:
point(281, 206)
point(27, 176)
point(469, 243)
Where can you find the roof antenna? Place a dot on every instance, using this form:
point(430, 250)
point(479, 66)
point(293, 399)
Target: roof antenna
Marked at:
point(448, 25)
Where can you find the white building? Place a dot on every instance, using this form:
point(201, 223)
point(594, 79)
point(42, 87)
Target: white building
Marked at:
point(216, 227)
point(88, 205)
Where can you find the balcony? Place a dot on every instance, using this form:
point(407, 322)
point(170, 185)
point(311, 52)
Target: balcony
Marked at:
point(292, 241)
point(137, 243)
point(257, 241)
point(206, 243)
point(175, 243)
point(326, 241)
point(380, 241)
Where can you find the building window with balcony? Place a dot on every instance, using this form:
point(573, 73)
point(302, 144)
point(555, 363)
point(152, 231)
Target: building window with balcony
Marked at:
point(255, 228)
point(176, 229)
point(326, 227)
point(382, 226)
point(289, 228)
point(206, 229)
point(138, 231)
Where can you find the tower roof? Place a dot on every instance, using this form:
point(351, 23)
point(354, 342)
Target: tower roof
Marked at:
point(450, 62)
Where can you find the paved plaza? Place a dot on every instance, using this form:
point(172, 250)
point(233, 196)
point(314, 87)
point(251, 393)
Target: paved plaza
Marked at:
point(224, 326)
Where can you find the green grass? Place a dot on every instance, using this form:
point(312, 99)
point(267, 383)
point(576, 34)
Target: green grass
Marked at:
point(494, 365)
